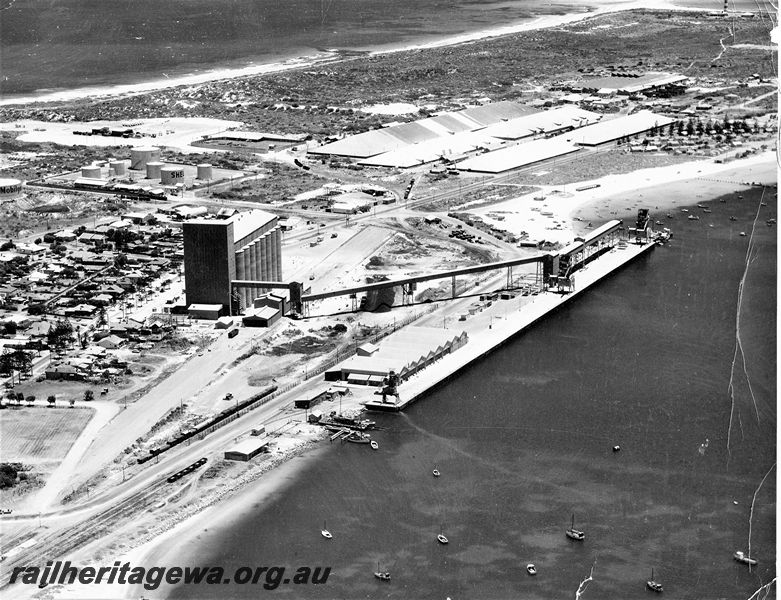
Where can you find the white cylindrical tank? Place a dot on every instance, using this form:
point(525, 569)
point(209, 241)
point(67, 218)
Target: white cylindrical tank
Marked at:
point(10, 187)
point(91, 171)
point(142, 155)
point(153, 169)
point(118, 166)
point(204, 172)
point(171, 175)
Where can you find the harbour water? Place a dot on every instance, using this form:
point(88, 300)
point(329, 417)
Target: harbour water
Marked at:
point(524, 439)
point(61, 45)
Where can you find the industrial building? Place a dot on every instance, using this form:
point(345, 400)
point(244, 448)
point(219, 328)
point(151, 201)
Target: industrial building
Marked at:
point(247, 449)
point(406, 352)
point(517, 156)
point(246, 246)
point(398, 137)
point(616, 129)
point(459, 145)
point(656, 83)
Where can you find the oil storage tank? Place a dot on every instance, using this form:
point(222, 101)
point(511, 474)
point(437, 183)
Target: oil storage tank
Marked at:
point(92, 171)
point(204, 172)
point(142, 155)
point(171, 175)
point(119, 166)
point(153, 169)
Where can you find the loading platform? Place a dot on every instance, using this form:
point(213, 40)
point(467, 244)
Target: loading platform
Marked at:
point(484, 342)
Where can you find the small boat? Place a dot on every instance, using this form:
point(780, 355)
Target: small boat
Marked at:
point(441, 537)
point(531, 569)
point(381, 575)
point(706, 210)
point(616, 448)
point(693, 218)
point(436, 472)
point(575, 534)
point(653, 585)
point(325, 533)
point(684, 210)
point(770, 221)
point(742, 558)
point(357, 438)
point(670, 216)
point(742, 234)
point(733, 218)
point(722, 200)
point(658, 222)
point(374, 445)
point(701, 206)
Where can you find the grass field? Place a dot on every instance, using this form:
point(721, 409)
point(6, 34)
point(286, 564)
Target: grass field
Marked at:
point(40, 433)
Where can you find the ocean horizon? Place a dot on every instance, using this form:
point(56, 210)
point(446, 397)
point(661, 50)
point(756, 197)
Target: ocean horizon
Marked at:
point(65, 45)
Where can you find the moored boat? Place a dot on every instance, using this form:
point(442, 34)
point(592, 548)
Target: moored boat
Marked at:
point(575, 534)
point(374, 445)
point(325, 533)
point(654, 585)
point(742, 558)
point(382, 575)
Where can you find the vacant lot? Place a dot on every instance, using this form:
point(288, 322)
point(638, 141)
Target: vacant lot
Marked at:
point(41, 433)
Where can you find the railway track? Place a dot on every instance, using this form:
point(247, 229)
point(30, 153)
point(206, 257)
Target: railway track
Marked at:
point(59, 543)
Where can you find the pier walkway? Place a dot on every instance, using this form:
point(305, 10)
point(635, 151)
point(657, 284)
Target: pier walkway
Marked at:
point(499, 324)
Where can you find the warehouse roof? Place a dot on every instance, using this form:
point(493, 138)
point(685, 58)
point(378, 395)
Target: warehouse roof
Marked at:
point(610, 130)
point(519, 155)
point(630, 85)
point(395, 137)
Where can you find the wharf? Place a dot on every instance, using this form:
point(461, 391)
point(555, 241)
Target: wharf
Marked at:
point(504, 325)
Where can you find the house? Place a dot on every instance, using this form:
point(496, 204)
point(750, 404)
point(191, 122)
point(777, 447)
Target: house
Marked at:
point(93, 239)
point(65, 236)
point(111, 342)
point(64, 372)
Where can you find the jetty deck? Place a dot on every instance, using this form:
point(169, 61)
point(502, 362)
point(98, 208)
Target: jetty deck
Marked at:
point(503, 324)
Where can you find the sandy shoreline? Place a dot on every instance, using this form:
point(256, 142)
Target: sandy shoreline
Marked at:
point(542, 22)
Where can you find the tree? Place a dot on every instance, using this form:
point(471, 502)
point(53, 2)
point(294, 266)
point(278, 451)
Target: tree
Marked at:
point(72, 402)
point(22, 361)
point(60, 335)
point(30, 400)
point(89, 395)
point(51, 399)
point(102, 319)
point(10, 327)
point(19, 398)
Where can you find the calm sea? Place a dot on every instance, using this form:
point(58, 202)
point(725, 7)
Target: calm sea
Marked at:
point(54, 45)
point(524, 440)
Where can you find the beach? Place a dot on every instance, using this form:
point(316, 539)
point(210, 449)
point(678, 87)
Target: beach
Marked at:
point(567, 13)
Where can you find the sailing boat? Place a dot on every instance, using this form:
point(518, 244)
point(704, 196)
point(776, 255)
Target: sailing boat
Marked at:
point(575, 534)
point(382, 575)
point(652, 585)
point(325, 533)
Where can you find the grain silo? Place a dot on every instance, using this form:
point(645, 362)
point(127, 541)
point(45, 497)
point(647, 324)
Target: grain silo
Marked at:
point(153, 169)
point(118, 166)
point(171, 175)
point(142, 155)
point(204, 172)
point(92, 171)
